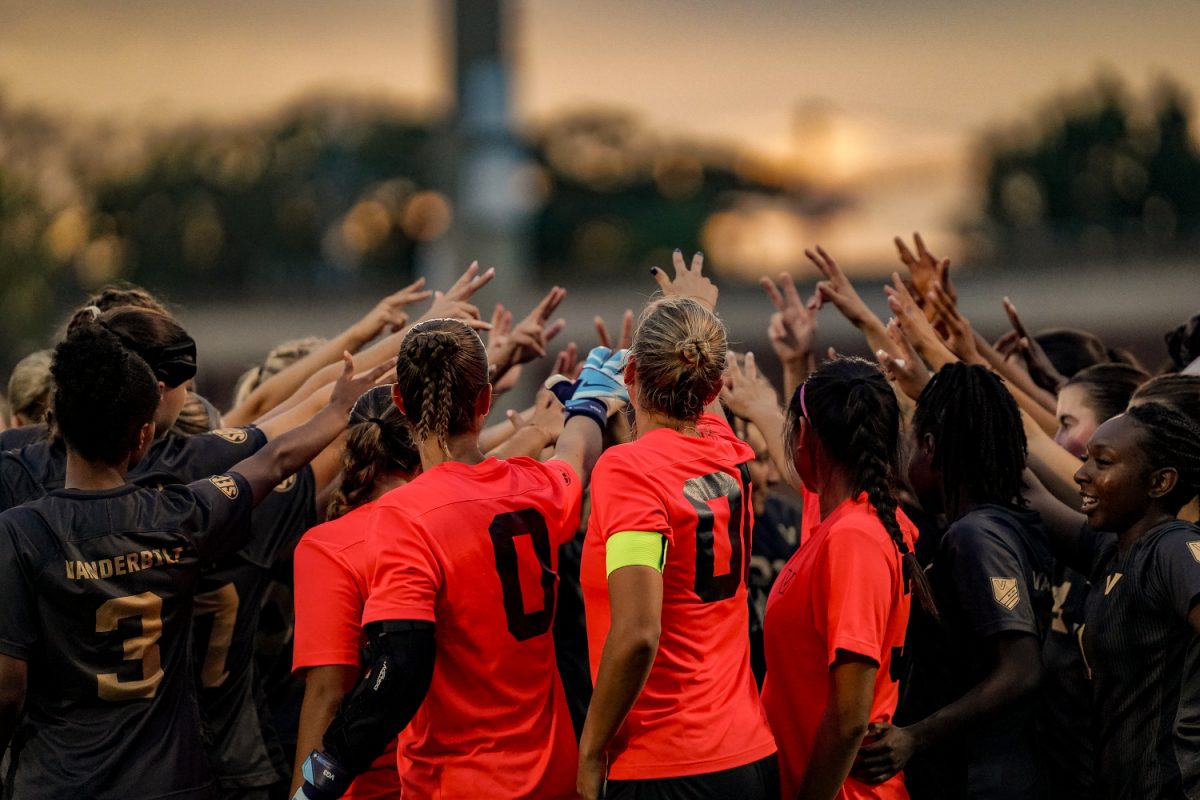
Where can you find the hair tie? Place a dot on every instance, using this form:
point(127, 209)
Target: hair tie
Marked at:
point(804, 408)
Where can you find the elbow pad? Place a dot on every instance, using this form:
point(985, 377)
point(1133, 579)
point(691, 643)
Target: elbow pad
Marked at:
point(401, 668)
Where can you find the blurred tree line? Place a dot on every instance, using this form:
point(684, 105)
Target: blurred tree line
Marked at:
point(331, 193)
point(1097, 174)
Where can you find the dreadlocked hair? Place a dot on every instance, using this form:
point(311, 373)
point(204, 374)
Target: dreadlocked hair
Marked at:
point(852, 410)
point(442, 370)
point(377, 442)
point(678, 352)
point(1172, 441)
point(979, 441)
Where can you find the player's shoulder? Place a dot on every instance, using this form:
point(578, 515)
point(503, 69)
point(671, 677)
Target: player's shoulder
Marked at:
point(1176, 540)
point(337, 534)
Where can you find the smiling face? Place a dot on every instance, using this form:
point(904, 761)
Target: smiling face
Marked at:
point(1077, 420)
point(1115, 481)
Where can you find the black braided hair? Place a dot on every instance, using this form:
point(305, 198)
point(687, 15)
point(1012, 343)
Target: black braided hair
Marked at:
point(1171, 441)
point(1177, 391)
point(442, 370)
point(853, 411)
point(979, 440)
point(377, 442)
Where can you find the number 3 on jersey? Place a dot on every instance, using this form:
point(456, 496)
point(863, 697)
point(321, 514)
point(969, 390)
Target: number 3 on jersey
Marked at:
point(701, 492)
point(148, 607)
point(520, 536)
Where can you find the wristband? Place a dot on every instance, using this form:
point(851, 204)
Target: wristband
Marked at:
point(324, 778)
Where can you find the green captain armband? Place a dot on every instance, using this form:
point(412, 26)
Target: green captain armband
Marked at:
point(635, 549)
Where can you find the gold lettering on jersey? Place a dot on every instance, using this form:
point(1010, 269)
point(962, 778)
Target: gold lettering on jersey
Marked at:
point(226, 484)
point(121, 565)
point(1195, 548)
point(232, 435)
point(1111, 581)
point(287, 484)
point(1005, 592)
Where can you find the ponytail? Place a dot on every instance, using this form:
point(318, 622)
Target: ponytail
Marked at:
point(377, 442)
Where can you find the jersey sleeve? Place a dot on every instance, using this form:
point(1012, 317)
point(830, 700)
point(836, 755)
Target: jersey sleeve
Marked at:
point(1175, 577)
point(18, 623)
point(220, 518)
point(990, 579)
point(406, 574)
point(208, 453)
point(16, 484)
point(329, 609)
point(853, 591)
point(566, 501)
point(624, 498)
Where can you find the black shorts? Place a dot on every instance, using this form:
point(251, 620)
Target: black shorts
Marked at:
point(758, 780)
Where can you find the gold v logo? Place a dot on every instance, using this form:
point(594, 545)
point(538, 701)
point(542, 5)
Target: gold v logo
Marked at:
point(1110, 582)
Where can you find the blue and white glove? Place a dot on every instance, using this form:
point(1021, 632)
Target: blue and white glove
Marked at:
point(324, 778)
point(601, 379)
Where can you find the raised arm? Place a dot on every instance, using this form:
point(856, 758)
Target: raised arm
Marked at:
point(749, 395)
point(387, 313)
point(287, 453)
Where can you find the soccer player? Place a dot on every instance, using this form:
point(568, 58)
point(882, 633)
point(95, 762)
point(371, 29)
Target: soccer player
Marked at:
point(97, 582)
point(1142, 616)
point(331, 564)
point(837, 615)
point(675, 712)
point(462, 591)
point(968, 711)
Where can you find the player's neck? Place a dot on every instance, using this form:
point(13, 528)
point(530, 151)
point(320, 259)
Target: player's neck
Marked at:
point(463, 448)
point(92, 475)
point(646, 421)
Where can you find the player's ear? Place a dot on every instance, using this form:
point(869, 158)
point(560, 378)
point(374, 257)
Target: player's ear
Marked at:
point(397, 399)
point(630, 372)
point(483, 403)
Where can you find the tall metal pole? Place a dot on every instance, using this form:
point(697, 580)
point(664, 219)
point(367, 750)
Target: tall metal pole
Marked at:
point(483, 168)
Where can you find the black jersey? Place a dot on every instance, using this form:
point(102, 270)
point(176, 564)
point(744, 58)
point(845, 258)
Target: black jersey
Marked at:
point(15, 438)
point(1142, 655)
point(185, 458)
point(96, 594)
point(990, 575)
point(1066, 728)
point(243, 749)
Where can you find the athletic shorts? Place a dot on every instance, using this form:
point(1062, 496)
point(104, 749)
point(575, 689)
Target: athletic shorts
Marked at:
point(758, 780)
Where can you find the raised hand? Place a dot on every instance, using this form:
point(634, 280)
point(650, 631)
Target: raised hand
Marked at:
point(907, 371)
point(626, 331)
point(688, 281)
point(528, 339)
point(452, 303)
point(1041, 369)
point(566, 363)
point(745, 391)
point(349, 387)
point(388, 313)
point(546, 416)
point(837, 289)
point(958, 335)
point(925, 268)
point(917, 329)
point(793, 327)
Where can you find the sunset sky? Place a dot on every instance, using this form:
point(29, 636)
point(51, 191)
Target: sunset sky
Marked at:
point(882, 97)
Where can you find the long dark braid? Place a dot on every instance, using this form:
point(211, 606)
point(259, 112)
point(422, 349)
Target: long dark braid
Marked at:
point(377, 442)
point(854, 412)
point(1172, 441)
